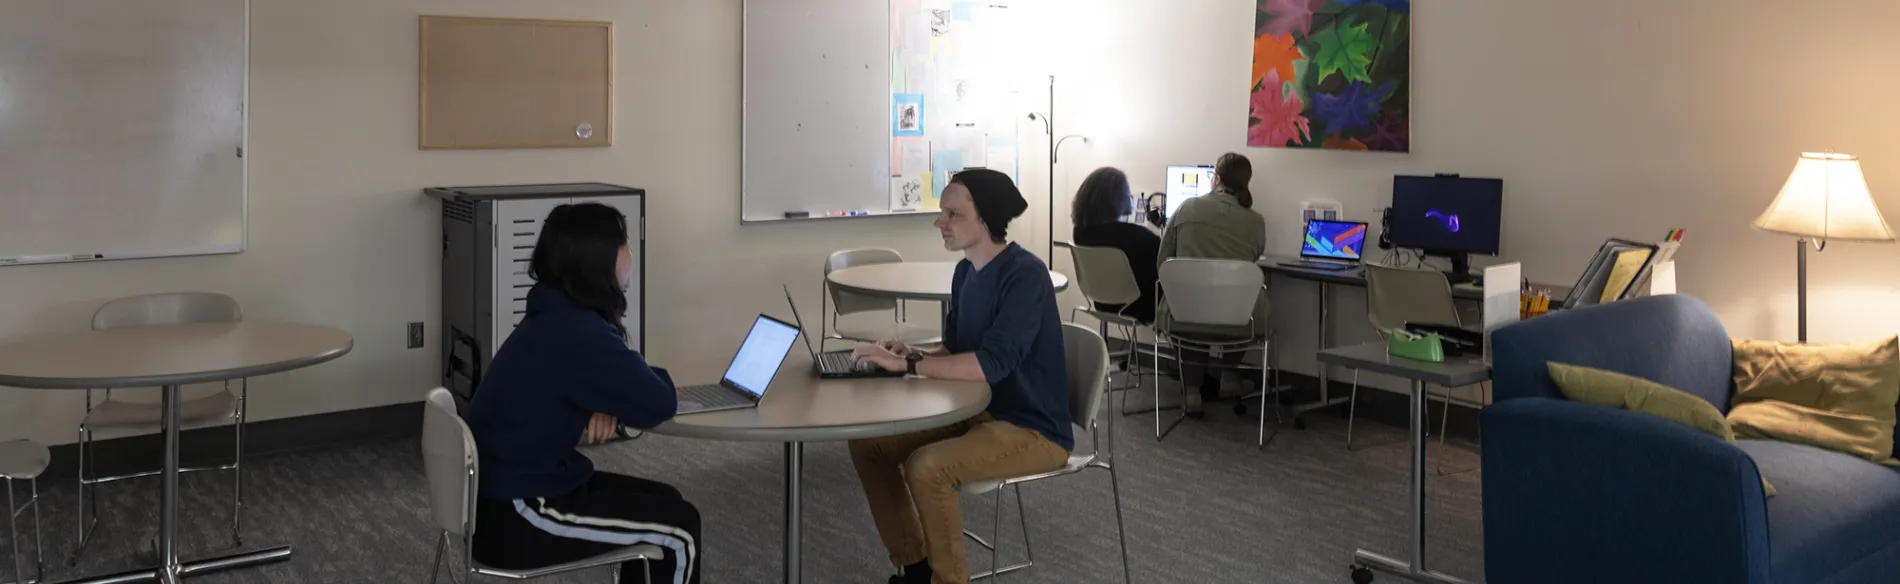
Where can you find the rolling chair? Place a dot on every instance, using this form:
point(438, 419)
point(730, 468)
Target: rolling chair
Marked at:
point(1396, 296)
point(832, 323)
point(1216, 293)
point(1087, 363)
point(23, 460)
point(115, 417)
point(452, 465)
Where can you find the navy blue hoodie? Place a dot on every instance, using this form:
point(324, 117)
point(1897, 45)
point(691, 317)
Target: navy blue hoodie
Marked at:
point(563, 364)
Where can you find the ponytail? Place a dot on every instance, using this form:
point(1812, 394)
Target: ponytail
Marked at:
point(1235, 172)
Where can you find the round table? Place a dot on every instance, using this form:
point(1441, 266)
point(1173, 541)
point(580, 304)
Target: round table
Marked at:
point(169, 356)
point(910, 280)
point(799, 407)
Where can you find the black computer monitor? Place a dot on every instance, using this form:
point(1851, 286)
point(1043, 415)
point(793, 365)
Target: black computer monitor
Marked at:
point(1447, 216)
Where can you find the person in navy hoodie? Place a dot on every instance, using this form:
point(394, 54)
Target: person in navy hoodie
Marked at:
point(563, 376)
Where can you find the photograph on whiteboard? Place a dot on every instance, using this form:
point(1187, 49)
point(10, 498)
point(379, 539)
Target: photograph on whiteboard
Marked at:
point(939, 22)
point(907, 114)
point(907, 194)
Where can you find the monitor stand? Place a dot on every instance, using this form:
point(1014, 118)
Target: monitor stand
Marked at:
point(1460, 267)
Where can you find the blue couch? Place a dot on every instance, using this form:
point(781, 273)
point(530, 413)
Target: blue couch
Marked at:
point(1590, 494)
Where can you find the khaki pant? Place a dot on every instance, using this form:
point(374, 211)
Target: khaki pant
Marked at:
point(911, 483)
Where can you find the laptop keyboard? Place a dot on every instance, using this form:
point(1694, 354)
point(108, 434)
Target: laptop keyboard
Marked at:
point(841, 362)
point(714, 395)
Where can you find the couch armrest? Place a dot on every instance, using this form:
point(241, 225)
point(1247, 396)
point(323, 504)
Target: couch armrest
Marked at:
point(1581, 493)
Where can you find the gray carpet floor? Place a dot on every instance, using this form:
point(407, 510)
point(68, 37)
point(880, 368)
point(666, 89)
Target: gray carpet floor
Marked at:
point(1204, 506)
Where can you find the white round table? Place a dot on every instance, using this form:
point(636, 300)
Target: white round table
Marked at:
point(910, 280)
point(799, 407)
point(169, 356)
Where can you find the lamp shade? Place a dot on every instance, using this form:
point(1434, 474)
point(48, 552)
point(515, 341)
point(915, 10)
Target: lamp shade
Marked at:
point(1826, 198)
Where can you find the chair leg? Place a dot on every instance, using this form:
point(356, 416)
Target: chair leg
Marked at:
point(1352, 408)
point(39, 545)
point(88, 498)
point(996, 531)
point(237, 465)
point(1029, 552)
point(13, 535)
point(435, 566)
point(1121, 534)
point(616, 573)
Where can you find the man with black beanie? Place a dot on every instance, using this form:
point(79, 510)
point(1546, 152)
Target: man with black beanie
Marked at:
point(1003, 328)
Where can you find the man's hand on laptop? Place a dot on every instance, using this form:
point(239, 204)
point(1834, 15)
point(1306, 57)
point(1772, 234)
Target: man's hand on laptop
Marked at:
point(897, 348)
point(882, 356)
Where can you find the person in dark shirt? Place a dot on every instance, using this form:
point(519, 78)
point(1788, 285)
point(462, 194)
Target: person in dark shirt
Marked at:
point(563, 376)
point(1100, 204)
point(1003, 328)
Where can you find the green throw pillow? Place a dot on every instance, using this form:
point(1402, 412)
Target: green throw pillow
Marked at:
point(1616, 390)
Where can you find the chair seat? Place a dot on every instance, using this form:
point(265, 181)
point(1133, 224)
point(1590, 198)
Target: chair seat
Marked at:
point(117, 416)
point(1076, 463)
point(1835, 517)
point(23, 459)
point(626, 554)
point(873, 330)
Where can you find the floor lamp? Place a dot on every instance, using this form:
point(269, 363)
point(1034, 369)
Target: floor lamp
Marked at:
point(1825, 198)
point(1055, 147)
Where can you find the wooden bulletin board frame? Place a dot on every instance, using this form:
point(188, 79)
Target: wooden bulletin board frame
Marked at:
point(491, 83)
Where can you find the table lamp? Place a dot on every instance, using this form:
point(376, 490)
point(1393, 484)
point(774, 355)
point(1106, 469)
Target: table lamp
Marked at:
point(1825, 198)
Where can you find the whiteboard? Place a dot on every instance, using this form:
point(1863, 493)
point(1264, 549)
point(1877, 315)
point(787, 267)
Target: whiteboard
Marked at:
point(825, 82)
point(121, 128)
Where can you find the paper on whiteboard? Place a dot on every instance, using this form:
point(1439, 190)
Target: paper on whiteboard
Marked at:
point(944, 163)
point(907, 193)
point(914, 33)
point(913, 156)
point(969, 140)
point(907, 114)
point(932, 199)
point(917, 72)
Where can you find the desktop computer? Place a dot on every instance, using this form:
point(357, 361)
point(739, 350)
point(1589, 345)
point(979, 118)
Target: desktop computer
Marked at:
point(1187, 182)
point(1447, 216)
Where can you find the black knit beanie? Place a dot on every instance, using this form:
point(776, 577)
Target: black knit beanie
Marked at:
point(996, 197)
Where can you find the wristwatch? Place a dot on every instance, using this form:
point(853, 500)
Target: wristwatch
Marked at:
point(910, 362)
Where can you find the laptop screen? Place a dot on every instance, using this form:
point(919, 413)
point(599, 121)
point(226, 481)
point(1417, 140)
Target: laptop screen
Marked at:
point(1339, 240)
point(759, 358)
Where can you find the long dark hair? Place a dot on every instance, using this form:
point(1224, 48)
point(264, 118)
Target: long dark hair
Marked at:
point(1102, 198)
point(576, 253)
point(1235, 171)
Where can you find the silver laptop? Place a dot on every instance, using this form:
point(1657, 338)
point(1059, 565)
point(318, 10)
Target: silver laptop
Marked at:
point(750, 372)
point(834, 364)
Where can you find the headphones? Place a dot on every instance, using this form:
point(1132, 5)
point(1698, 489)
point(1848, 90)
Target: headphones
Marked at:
point(1385, 228)
point(1157, 205)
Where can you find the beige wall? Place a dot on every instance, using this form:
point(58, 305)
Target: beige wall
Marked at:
point(1605, 118)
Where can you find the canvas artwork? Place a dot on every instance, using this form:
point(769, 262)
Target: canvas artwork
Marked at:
point(1331, 74)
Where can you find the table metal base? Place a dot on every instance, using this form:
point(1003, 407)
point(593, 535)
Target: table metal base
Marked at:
point(1414, 570)
point(194, 568)
point(794, 506)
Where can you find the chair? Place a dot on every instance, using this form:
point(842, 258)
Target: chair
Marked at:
point(843, 304)
point(1215, 293)
point(22, 460)
point(1087, 363)
point(1104, 276)
point(114, 416)
point(1396, 296)
point(450, 462)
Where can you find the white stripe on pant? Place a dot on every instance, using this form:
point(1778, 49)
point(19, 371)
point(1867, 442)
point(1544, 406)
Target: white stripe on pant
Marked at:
point(614, 531)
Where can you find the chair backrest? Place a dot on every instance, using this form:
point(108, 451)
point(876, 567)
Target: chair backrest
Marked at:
point(843, 302)
point(1674, 340)
point(1103, 274)
point(449, 461)
point(167, 308)
point(1211, 292)
point(1086, 358)
point(1395, 296)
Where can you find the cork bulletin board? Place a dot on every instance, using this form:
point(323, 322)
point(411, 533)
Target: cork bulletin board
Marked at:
point(490, 83)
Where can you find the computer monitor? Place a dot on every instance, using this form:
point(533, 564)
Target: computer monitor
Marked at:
point(1447, 216)
point(1187, 182)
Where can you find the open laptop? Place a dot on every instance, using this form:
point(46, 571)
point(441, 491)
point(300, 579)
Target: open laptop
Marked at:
point(750, 372)
point(834, 364)
point(1330, 245)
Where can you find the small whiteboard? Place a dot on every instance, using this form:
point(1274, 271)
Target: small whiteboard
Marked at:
point(121, 128)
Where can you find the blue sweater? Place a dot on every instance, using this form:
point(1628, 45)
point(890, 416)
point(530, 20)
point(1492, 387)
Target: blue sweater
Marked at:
point(1006, 314)
point(563, 364)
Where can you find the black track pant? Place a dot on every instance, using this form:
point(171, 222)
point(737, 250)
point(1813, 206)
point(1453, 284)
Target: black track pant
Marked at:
point(609, 512)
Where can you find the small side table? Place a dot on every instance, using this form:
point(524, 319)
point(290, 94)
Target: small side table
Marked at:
point(1454, 372)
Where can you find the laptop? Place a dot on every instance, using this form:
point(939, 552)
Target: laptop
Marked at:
point(749, 373)
point(834, 364)
point(1330, 245)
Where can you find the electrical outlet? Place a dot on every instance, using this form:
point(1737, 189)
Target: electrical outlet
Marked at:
point(415, 335)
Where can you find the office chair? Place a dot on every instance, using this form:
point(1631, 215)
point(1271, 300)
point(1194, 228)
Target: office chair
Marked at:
point(1397, 296)
point(23, 460)
point(1103, 276)
point(1221, 293)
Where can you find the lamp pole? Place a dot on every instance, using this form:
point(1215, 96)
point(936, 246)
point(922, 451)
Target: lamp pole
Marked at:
point(1055, 148)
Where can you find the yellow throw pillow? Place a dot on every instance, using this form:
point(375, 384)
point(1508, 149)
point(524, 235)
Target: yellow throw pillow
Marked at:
point(1616, 390)
point(1838, 397)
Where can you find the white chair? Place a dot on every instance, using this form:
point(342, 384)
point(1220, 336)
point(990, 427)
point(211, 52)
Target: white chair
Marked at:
point(1104, 276)
point(1087, 364)
point(1396, 296)
point(114, 416)
point(450, 462)
point(1220, 293)
point(22, 460)
point(833, 323)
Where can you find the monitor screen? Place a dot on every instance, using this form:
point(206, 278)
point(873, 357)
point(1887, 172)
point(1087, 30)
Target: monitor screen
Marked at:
point(1187, 182)
point(1342, 240)
point(761, 354)
point(1447, 213)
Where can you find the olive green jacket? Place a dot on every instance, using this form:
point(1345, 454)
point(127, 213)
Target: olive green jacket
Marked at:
point(1214, 226)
